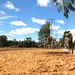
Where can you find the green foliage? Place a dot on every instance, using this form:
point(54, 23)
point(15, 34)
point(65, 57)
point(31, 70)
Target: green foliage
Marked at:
point(72, 1)
point(59, 8)
point(3, 41)
point(66, 6)
point(13, 43)
point(55, 0)
point(66, 11)
point(44, 32)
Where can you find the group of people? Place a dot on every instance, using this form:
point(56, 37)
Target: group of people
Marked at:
point(68, 40)
point(56, 44)
point(50, 43)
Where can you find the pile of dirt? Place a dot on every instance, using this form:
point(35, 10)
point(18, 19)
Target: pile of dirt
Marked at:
point(36, 61)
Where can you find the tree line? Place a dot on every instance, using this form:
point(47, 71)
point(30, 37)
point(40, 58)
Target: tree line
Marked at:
point(4, 42)
point(43, 34)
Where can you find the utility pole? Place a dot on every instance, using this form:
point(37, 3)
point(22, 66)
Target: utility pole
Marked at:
point(51, 28)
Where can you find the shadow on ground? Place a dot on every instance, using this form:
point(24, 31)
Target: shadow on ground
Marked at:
point(56, 53)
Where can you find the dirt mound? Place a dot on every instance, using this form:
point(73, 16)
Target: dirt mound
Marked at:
point(36, 61)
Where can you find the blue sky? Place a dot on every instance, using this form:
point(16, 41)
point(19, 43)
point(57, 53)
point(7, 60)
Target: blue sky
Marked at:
point(23, 18)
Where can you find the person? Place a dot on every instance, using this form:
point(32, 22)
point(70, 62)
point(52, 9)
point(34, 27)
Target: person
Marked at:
point(49, 42)
point(70, 39)
point(66, 41)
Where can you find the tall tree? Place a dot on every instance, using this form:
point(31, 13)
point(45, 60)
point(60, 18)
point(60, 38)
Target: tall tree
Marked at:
point(44, 32)
point(3, 40)
point(28, 41)
point(65, 5)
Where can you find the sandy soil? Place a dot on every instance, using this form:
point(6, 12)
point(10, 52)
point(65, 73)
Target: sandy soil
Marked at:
point(36, 61)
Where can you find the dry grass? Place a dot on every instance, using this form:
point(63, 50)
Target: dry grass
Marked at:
point(36, 61)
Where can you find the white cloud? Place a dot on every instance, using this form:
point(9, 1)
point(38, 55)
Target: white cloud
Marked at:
point(55, 27)
point(73, 32)
point(9, 5)
point(6, 17)
point(1, 32)
point(21, 39)
point(59, 1)
point(61, 32)
point(23, 31)
point(18, 23)
point(44, 3)
point(39, 21)
point(60, 21)
point(2, 12)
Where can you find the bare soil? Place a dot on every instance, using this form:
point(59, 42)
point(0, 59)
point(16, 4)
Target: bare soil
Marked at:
point(36, 61)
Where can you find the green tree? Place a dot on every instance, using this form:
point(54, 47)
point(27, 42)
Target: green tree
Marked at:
point(10, 43)
point(3, 40)
point(44, 32)
point(28, 41)
point(65, 5)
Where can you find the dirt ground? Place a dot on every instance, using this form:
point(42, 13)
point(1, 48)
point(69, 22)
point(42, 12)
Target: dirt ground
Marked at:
point(36, 61)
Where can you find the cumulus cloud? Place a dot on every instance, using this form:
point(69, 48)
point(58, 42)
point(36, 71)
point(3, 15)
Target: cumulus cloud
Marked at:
point(39, 21)
point(61, 32)
point(44, 3)
point(2, 12)
point(60, 21)
point(73, 32)
point(6, 17)
point(9, 5)
point(23, 31)
point(55, 27)
point(18, 23)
